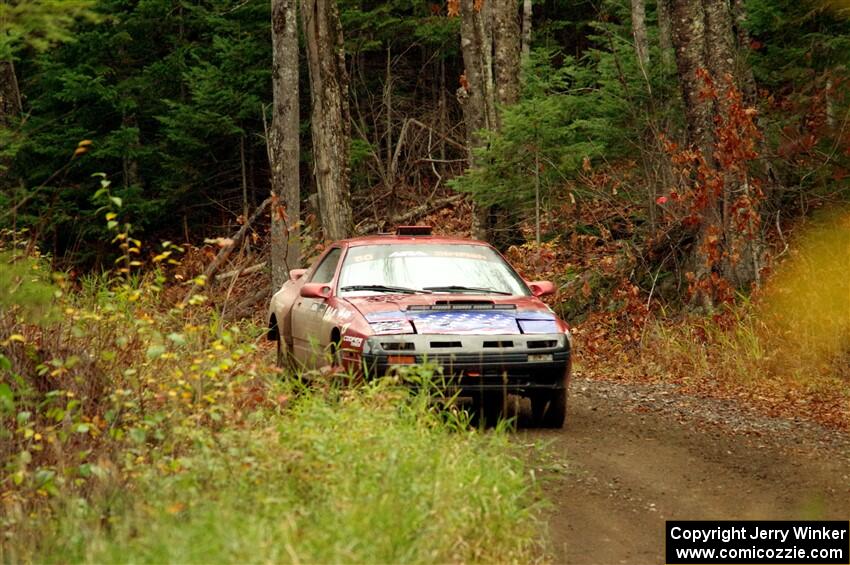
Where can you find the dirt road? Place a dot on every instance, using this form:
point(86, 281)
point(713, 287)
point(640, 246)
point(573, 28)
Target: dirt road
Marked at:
point(633, 456)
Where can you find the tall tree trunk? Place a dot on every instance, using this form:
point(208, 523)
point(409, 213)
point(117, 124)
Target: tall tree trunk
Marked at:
point(284, 143)
point(476, 94)
point(331, 126)
point(640, 35)
point(10, 95)
point(740, 264)
point(490, 42)
point(10, 110)
point(704, 43)
point(665, 43)
point(744, 70)
point(130, 164)
point(720, 41)
point(525, 49)
point(388, 107)
point(506, 51)
point(689, 40)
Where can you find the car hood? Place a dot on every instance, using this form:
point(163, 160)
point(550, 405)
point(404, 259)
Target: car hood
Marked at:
point(459, 314)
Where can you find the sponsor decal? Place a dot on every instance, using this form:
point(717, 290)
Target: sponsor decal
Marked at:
point(408, 254)
point(354, 341)
point(460, 254)
point(334, 313)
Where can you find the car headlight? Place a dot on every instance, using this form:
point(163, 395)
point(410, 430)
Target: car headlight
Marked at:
point(392, 327)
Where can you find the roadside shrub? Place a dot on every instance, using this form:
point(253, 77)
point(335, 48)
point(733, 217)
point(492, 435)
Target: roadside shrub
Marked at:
point(92, 378)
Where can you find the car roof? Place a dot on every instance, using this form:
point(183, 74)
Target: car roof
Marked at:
point(389, 239)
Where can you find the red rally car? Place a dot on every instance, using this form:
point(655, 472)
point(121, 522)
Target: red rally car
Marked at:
point(377, 302)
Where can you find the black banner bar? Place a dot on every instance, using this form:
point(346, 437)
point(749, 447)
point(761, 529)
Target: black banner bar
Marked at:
point(758, 542)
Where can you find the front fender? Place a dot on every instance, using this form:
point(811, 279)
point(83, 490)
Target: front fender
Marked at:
point(280, 311)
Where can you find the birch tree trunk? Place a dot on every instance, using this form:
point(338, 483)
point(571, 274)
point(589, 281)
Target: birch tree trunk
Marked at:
point(284, 143)
point(640, 35)
point(330, 120)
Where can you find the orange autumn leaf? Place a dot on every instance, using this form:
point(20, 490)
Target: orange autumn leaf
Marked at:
point(176, 508)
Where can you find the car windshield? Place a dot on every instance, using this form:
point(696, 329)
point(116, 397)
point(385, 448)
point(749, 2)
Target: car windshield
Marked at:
point(430, 267)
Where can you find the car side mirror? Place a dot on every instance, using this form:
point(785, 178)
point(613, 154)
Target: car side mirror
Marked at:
point(296, 274)
point(316, 290)
point(541, 288)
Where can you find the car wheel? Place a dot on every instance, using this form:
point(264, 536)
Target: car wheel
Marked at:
point(282, 360)
point(549, 408)
point(336, 356)
point(493, 407)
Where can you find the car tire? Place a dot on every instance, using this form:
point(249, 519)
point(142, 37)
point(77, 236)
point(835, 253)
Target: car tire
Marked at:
point(282, 359)
point(493, 408)
point(549, 409)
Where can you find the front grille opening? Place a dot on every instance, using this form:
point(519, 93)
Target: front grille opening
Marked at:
point(542, 343)
point(445, 344)
point(498, 344)
point(398, 346)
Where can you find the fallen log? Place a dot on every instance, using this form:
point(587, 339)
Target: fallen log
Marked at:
point(414, 212)
point(247, 306)
point(227, 250)
point(240, 272)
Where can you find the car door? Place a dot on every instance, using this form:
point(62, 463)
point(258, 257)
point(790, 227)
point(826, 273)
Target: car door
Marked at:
point(307, 337)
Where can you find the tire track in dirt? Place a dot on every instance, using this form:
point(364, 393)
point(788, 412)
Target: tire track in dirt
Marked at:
point(633, 456)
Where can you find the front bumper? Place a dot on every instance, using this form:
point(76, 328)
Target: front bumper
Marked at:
point(518, 364)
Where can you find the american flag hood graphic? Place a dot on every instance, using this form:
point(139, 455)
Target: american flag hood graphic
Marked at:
point(458, 317)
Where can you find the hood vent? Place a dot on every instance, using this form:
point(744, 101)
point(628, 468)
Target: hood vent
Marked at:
point(444, 305)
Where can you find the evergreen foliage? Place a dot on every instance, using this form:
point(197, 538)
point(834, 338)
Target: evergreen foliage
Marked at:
point(168, 93)
point(575, 112)
point(172, 97)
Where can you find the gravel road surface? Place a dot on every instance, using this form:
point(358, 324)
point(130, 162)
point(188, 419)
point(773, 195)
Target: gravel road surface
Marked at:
point(635, 455)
